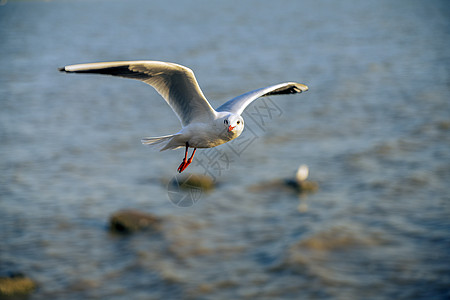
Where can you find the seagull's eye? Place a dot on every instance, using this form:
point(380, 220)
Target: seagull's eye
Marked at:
point(238, 122)
point(226, 122)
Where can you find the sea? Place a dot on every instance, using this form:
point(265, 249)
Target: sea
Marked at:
point(373, 129)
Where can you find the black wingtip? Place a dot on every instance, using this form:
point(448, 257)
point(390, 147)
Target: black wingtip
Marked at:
point(63, 69)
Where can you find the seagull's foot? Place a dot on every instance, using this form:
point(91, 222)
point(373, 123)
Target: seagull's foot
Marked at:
point(184, 165)
point(186, 162)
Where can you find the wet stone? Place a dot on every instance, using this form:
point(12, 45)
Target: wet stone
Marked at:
point(16, 286)
point(203, 182)
point(287, 185)
point(128, 221)
point(187, 189)
point(302, 186)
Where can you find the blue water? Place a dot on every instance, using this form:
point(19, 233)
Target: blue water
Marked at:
point(373, 129)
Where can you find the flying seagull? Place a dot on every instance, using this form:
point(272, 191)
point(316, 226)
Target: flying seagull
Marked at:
point(202, 126)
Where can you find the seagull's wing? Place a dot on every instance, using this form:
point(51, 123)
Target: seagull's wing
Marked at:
point(238, 104)
point(175, 83)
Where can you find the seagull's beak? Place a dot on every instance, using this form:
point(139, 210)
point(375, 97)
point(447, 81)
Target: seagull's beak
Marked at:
point(230, 128)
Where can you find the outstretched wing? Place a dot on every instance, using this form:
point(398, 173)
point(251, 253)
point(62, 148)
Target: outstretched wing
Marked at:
point(175, 83)
point(238, 104)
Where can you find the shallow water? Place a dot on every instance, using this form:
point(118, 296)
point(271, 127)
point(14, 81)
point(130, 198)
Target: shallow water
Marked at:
point(373, 128)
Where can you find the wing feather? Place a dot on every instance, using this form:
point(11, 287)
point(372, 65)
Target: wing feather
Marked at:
point(238, 104)
point(175, 83)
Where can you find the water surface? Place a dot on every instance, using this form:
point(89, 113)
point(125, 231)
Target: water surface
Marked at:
point(374, 130)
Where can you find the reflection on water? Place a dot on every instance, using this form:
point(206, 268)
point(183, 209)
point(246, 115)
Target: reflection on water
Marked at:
point(373, 129)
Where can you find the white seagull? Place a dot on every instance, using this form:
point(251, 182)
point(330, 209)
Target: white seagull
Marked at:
point(202, 126)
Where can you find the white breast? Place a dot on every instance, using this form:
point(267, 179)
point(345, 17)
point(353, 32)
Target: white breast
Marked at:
point(201, 135)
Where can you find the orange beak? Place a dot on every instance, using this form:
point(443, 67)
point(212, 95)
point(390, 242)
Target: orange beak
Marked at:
point(230, 128)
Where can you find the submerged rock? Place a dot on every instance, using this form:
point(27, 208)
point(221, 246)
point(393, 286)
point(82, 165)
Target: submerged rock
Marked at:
point(127, 221)
point(190, 181)
point(16, 286)
point(301, 186)
point(187, 189)
point(287, 185)
point(298, 185)
point(327, 254)
point(338, 238)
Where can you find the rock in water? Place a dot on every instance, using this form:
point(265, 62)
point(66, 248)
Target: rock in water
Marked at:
point(298, 184)
point(16, 286)
point(286, 185)
point(127, 221)
point(302, 186)
point(189, 181)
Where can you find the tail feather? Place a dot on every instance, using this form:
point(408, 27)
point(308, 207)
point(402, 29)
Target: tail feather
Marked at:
point(160, 142)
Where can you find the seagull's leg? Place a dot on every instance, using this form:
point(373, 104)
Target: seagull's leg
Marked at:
point(183, 164)
point(190, 158)
point(186, 163)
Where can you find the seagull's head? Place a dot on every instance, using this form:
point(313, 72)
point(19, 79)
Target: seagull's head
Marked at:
point(234, 123)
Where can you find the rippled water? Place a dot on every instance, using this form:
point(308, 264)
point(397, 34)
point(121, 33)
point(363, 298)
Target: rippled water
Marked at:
point(374, 130)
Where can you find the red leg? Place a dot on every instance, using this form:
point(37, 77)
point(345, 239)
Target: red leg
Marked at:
point(183, 163)
point(192, 156)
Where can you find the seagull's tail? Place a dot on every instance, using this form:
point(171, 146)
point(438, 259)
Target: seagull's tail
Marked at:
point(161, 142)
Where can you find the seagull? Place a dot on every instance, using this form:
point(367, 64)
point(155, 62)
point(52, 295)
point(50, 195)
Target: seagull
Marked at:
point(202, 126)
